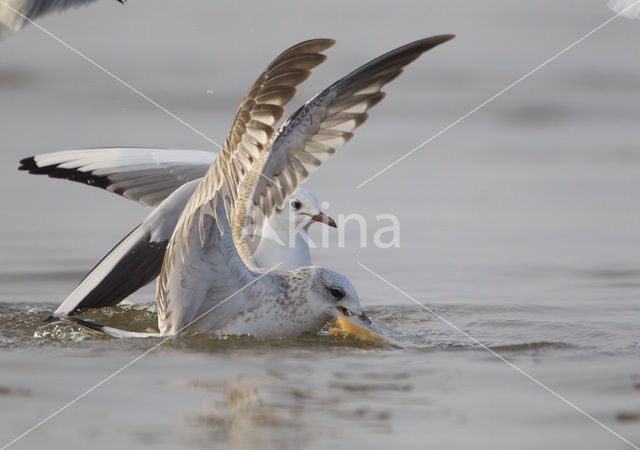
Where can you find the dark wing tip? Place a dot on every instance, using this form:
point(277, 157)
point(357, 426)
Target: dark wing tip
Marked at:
point(432, 41)
point(89, 324)
point(416, 48)
point(444, 37)
point(388, 66)
point(309, 46)
point(328, 43)
point(28, 164)
point(315, 45)
point(54, 171)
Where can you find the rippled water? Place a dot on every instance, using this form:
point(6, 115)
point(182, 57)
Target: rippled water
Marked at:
point(520, 226)
point(324, 390)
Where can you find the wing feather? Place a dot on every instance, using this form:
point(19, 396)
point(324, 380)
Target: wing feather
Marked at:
point(251, 133)
point(311, 135)
point(146, 175)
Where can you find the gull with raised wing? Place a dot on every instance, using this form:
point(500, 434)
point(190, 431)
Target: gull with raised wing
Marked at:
point(165, 180)
point(210, 281)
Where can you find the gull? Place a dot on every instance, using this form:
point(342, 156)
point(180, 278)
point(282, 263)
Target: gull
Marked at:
point(209, 281)
point(163, 179)
point(15, 14)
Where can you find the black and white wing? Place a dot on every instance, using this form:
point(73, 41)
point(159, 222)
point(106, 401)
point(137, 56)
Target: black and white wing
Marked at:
point(129, 266)
point(145, 175)
point(201, 267)
point(133, 263)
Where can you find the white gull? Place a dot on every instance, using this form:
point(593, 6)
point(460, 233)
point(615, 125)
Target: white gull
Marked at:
point(209, 280)
point(156, 177)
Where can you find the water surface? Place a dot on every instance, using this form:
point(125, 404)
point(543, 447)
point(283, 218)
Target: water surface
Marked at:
point(519, 225)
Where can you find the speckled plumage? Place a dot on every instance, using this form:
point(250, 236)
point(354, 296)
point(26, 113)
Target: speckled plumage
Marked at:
point(212, 284)
point(214, 292)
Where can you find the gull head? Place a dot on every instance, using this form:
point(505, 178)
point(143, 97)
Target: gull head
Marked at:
point(303, 209)
point(331, 295)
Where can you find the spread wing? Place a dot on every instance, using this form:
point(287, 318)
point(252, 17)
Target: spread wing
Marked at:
point(186, 280)
point(251, 132)
point(312, 134)
point(145, 175)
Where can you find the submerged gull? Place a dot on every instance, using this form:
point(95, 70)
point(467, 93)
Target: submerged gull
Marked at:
point(209, 280)
point(164, 179)
point(14, 13)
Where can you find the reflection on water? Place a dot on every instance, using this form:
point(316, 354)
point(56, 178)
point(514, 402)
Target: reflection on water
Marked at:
point(318, 388)
point(236, 413)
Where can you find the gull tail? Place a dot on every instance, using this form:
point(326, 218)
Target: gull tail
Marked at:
point(110, 331)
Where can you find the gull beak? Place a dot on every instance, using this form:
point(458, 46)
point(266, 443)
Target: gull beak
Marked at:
point(359, 326)
point(351, 315)
point(323, 218)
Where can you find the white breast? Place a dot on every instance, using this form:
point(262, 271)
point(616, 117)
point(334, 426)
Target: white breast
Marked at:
point(275, 317)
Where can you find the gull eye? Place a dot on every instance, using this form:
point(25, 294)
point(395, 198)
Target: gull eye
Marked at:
point(296, 204)
point(336, 293)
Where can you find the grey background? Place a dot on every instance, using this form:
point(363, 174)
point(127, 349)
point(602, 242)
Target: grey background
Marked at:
point(520, 225)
